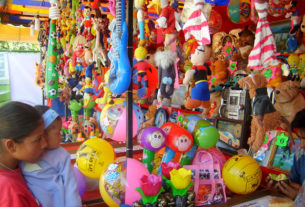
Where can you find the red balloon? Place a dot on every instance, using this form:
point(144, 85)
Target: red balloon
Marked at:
point(178, 138)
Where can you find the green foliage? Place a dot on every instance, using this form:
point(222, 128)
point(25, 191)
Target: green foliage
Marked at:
point(19, 46)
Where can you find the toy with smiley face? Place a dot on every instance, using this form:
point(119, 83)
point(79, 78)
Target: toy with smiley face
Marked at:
point(151, 139)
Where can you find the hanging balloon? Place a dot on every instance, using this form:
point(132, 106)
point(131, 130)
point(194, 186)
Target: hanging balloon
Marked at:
point(113, 120)
point(239, 11)
point(215, 22)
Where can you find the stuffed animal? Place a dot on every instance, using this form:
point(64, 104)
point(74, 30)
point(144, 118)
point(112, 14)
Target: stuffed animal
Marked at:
point(149, 117)
point(219, 71)
point(165, 61)
point(200, 94)
point(142, 67)
point(301, 37)
point(265, 117)
point(288, 99)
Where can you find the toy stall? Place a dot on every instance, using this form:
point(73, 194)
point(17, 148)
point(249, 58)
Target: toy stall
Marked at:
point(173, 103)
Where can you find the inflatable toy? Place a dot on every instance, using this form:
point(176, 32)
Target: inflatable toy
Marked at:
point(120, 69)
point(81, 181)
point(151, 139)
point(119, 181)
point(93, 157)
point(113, 120)
point(242, 174)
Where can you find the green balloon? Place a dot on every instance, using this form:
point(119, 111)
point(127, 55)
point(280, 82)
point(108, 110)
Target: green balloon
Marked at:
point(207, 137)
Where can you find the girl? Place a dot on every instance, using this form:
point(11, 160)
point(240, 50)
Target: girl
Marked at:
point(21, 138)
point(51, 179)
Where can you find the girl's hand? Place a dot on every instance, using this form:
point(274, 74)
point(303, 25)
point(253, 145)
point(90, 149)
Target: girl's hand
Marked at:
point(291, 190)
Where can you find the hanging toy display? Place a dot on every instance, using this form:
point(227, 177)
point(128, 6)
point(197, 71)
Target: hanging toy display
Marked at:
point(120, 70)
point(51, 71)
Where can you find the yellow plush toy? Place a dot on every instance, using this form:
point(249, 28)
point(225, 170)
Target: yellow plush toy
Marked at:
point(107, 98)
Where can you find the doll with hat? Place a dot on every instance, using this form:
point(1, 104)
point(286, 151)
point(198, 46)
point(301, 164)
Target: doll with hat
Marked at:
point(200, 94)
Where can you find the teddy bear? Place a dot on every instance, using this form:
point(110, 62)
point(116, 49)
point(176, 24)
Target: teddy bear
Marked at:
point(200, 94)
point(288, 99)
point(149, 116)
point(219, 71)
point(301, 37)
point(265, 117)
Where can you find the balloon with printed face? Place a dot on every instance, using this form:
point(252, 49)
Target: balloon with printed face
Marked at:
point(113, 120)
point(178, 139)
point(151, 139)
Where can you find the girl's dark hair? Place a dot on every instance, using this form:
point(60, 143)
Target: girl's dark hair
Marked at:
point(299, 120)
point(18, 120)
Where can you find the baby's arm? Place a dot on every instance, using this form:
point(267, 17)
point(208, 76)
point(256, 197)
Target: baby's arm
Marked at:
point(72, 197)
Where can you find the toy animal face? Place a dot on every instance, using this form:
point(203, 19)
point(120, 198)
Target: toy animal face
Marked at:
point(286, 91)
point(256, 81)
point(156, 139)
point(183, 143)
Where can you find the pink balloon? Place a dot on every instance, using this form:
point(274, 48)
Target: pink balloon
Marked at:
point(135, 171)
point(120, 130)
point(81, 181)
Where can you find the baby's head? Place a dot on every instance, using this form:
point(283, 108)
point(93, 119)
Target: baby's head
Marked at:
point(52, 126)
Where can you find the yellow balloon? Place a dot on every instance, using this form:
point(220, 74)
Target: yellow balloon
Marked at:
point(94, 156)
point(242, 174)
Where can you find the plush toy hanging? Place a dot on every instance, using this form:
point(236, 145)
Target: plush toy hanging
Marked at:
point(263, 52)
point(165, 60)
point(120, 70)
point(197, 25)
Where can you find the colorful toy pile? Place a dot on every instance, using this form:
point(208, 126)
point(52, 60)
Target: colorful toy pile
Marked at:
point(181, 52)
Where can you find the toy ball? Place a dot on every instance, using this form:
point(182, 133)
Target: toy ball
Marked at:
point(93, 157)
point(178, 138)
point(242, 174)
point(81, 181)
point(192, 122)
point(215, 22)
point(152, 138)
point(119, 181)
point(206, 137)
point(113, 120)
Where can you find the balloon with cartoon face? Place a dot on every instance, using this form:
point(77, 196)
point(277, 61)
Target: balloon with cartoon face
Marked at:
point(178, 138)
point(151, 139)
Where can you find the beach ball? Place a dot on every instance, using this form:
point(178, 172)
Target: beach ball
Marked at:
point(242, 174)
point(119, 181)
point(113, 120)
point(206, 137)
point(94, 156)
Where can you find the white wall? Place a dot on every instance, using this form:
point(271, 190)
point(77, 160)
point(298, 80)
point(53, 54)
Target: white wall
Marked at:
point(22, 70)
